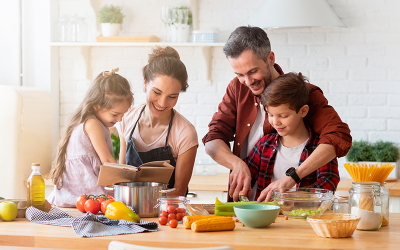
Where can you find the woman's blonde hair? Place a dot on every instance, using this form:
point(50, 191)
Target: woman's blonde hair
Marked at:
point(106, 91)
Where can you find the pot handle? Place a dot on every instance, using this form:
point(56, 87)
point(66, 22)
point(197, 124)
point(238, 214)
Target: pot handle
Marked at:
point(109, 188)
point(167, 190)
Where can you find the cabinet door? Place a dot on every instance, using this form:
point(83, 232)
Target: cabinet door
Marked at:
point(206, 197)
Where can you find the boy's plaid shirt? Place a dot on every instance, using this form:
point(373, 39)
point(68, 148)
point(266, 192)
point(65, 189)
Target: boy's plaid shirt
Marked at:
point(262, 159)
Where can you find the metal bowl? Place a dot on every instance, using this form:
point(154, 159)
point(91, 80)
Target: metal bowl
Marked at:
point(302, 202)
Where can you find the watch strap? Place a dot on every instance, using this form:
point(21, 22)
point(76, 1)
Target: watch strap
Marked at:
point(292, 173)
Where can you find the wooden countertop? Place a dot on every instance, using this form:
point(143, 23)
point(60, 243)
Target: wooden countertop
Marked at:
point(287, 234)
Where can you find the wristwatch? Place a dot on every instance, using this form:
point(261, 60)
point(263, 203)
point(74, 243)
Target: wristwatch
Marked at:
point(292, 173)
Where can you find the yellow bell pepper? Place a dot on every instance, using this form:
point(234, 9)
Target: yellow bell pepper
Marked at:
point(119, 211)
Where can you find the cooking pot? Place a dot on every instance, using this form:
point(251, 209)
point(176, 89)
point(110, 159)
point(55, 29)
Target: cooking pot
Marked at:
point(141, 196)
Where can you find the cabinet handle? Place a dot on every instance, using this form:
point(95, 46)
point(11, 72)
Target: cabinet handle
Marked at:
point(191, 195)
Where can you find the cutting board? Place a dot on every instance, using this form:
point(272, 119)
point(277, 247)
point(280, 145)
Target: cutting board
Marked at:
point(128, 39)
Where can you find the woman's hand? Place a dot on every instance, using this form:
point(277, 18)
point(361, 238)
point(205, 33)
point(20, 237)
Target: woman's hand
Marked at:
point(183, 171)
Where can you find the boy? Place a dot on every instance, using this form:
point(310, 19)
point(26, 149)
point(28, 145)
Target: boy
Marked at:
point(277, 155)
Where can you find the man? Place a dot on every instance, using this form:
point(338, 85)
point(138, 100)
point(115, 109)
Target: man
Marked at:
point(241, 119)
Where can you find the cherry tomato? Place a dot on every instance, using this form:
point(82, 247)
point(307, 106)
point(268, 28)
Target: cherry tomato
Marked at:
point(171, 216)
point(173, 223)
point(171, 209)
point(92, 206)
point(100, 199)
point(164, 214)
point(163, 220)
point(180, 210)
point(109, 197)
point(179, 216)
point(80, 203)
point(104, 205)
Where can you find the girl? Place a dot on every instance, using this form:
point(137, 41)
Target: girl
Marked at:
point(155, 131)
point(86, 143)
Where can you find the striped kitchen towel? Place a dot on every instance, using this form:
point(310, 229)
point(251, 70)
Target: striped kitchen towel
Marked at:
point(89, 225)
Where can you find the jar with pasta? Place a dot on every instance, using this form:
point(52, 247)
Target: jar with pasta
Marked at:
point(365, 201)
point(385, 204)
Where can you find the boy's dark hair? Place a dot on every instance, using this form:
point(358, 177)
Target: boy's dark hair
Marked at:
point(248, 38)
point(291, 88)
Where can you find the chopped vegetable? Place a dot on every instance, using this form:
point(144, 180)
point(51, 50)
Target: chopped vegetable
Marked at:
point(307, 212)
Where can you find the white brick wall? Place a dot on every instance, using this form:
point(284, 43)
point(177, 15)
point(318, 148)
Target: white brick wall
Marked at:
point(357, 67)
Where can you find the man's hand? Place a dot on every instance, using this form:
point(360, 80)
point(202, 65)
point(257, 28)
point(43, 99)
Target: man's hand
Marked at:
point(285, 182)
point(240, 181)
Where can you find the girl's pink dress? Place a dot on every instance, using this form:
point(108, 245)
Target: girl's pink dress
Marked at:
point(82, 169)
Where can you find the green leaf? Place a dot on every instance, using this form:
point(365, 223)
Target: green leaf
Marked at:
point(111, 14)
point(116, 146)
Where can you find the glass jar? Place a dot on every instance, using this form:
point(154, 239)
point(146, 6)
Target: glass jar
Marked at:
point(385, 204)
point(365, 201)
point(72, 29)
point(341, 202)
point(61, 30)
point(81, 29)
point(173, 208)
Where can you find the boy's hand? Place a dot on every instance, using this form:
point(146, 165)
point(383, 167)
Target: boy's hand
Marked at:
point(285, 182)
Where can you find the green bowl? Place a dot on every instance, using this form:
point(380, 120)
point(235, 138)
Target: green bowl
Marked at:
point(256, 215)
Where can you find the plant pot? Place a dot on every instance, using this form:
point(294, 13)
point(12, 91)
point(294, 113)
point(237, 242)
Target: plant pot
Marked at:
point(110, 29)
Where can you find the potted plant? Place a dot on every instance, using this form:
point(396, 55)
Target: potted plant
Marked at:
point(111, 18)
point(373, 153)
point(181, 20)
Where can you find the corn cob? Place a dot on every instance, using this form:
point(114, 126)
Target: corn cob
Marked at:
point(213, 224)
point(188, 220)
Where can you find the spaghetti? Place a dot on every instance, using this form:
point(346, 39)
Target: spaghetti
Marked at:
point(371, 172)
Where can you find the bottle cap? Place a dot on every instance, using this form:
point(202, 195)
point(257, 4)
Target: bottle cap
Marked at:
point(36, 166)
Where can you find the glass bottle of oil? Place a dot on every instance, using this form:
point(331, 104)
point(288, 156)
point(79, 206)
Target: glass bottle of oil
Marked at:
point(36, 188)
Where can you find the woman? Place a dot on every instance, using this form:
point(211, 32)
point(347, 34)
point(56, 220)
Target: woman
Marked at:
point(155, 131)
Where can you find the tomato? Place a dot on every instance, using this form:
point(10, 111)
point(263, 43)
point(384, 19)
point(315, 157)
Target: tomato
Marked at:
point(163, 220)
point(100, 199)
point(171, 216)
point(80, 203)
point(109, 197)
point(181, 210)
point(173, 223)
point(104, 205)
point(179, 216)
point(92, 206)
point(164, 214)
point(171, 209)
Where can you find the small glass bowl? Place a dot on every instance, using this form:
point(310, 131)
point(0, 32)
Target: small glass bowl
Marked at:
point(302, 202)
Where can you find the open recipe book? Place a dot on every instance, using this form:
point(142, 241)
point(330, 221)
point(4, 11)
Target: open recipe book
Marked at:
point(154, 171)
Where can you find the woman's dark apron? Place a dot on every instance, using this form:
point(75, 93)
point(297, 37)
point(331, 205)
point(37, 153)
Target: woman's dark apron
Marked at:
point(136, 158)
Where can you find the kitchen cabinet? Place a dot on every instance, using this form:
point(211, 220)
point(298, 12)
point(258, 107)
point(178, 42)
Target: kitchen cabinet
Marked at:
point(204, 189)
